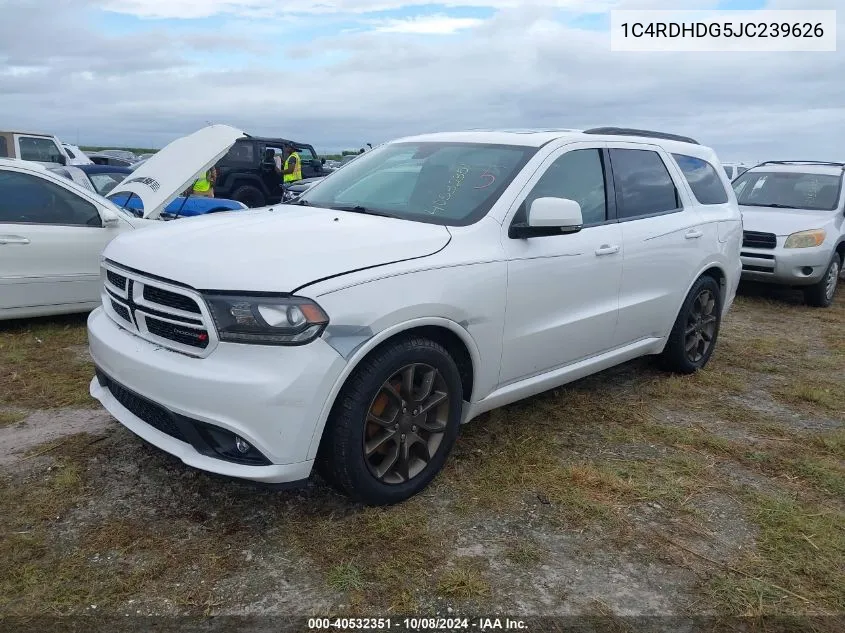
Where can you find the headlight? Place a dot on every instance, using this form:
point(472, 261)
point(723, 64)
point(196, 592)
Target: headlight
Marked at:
point(266, 320)
point(805, 239)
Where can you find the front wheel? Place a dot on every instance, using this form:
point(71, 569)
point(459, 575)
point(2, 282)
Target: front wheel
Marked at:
point(394, 423)
point(821, 295)
point(693, 337)
point(249, 195)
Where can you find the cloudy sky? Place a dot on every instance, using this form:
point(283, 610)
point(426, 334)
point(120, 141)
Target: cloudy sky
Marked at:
point(339, 73)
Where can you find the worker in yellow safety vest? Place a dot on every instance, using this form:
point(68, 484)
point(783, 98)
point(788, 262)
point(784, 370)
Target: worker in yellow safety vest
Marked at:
point(292, 170)
point(204, 186)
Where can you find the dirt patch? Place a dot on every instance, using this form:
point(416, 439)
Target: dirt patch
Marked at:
point(45, 427)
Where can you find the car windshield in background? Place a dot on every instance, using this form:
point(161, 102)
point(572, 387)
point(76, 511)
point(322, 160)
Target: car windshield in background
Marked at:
point(791, 190)
point(104, 183)
point(454, 184)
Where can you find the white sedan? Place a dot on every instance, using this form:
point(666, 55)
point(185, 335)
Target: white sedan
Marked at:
point(53, 230)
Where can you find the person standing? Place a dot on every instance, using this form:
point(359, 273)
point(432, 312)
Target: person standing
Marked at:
point(292, 170)
point(204, 186)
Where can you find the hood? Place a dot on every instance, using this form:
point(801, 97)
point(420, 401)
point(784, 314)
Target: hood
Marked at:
point(159, 180)
point(783, 222)
point(272, 250)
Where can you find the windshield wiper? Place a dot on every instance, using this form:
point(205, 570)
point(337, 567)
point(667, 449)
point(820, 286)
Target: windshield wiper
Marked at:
point(364, 210)
point(303, 203)
point(772, 206)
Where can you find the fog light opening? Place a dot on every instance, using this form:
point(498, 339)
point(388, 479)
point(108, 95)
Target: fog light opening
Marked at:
point(242, 445)
point(807, 270)
point(222, 443)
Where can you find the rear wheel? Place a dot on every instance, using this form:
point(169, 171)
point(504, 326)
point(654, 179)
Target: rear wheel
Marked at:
point(821, 295)
point(693, 337)
point(394, 423)
point(250, 196)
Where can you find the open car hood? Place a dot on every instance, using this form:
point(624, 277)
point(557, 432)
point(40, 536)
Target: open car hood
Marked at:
point(173, 169)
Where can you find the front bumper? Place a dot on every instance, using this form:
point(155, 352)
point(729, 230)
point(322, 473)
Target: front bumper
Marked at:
point(272, 397)
point(785, 266)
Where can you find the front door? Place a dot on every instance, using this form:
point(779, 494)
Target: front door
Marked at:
point(311, 166)
point(272, 179)
point(563, 290)
point(51, 239)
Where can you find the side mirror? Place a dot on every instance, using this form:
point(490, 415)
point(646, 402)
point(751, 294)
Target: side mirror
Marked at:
point(61, 159)
point(322, 161)
point(109, 217)
point(549, 216)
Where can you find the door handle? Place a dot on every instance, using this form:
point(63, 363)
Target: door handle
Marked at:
point(13, 239)
point(606, 249)
point(693, 234)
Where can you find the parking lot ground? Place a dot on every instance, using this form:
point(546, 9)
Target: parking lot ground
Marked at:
point(629, 493)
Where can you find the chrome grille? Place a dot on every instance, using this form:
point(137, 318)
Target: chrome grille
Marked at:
point(170, 299)
point(755, 239)
point(119, 281)
point(161, 312)
point(122, 311)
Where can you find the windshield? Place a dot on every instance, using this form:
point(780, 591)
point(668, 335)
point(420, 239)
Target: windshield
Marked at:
point(104, 183)
point(454, 184)
point(793, 190)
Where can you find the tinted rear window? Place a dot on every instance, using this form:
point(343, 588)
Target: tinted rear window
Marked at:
point(4, 149)
point(703, 179)
point(643, 184)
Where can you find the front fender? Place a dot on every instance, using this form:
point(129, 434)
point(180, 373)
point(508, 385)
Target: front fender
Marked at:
point(365, 347)
point(469, 301)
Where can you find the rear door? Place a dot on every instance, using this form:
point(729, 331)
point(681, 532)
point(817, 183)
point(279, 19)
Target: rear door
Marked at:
point(663, 237)
point(51, 238)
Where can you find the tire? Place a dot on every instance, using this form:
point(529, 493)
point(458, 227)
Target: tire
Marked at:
point(821, 295)
point(249, 195)
point(342, 458)
point(696, 322)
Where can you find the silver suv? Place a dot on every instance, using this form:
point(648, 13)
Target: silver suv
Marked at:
point(794, 226)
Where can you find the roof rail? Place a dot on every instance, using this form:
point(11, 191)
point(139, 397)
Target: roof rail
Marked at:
point(802, 162)
point(625, 131)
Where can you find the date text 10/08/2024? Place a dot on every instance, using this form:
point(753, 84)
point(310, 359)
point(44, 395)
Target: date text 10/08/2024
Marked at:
point(416, 624)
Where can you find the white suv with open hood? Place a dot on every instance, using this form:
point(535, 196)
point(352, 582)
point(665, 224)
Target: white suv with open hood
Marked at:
point(432, 279)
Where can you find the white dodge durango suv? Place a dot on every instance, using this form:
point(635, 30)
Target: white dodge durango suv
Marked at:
point(432, 279)
point(794, 218)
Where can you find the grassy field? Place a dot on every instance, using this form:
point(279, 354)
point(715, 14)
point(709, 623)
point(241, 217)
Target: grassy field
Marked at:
point(630, 492)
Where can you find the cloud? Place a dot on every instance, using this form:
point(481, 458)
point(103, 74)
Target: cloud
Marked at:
point(187, 9)
point(428, 25)
point(307, 79)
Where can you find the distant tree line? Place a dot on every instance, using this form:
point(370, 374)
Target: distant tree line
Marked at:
point(134, 150)
point(144, 150)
